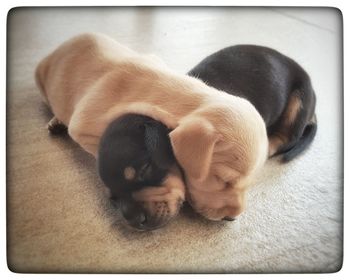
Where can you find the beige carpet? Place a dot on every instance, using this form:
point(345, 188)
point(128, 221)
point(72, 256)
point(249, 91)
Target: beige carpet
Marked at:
point(58, 217)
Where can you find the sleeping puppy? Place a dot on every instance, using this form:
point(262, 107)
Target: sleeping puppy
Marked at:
point(219, 140)
point(134, 154)
point(276, 85)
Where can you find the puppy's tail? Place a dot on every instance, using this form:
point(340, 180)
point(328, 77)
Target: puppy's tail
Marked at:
point(294, 149)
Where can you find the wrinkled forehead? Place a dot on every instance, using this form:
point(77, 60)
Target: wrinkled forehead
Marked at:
point(219, 176)
point(230, 158)
point(224, 171)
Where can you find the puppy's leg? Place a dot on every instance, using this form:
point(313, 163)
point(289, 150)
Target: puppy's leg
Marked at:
point(298, 122)
point(281, 135)
point(56, 127)
point(275, 142)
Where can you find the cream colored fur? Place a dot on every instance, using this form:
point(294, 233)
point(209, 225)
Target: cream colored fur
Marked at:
point(219, 140)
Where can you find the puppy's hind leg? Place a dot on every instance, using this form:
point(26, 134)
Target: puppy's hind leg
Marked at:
point(297, 127)
point(276, 141)
point(56, 127)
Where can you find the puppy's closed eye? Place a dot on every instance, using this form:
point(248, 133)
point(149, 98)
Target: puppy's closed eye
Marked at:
point(144, 172)
point(227, 184)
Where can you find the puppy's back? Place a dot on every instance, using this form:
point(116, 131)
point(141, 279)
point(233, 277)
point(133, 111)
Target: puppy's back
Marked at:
point(276, 85)
point(65, 75)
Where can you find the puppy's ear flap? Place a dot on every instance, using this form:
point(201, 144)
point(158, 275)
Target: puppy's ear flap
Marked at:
point(158, 144)
point(193, 144)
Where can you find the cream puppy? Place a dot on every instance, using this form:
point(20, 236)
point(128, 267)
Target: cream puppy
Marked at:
point(218, 139)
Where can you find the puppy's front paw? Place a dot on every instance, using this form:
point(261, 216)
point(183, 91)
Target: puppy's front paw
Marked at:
point(56, 127)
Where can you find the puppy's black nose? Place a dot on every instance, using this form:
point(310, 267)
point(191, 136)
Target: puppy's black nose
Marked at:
point(138, 220)
point(229, 219)
point(133, 214)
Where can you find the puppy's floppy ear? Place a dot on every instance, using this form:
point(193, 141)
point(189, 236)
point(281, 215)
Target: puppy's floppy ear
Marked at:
point(158, 144)
point(193, 144)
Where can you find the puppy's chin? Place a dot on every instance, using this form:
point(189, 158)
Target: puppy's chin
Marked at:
point(158, 204)
point(211, 208)
point(216, 215)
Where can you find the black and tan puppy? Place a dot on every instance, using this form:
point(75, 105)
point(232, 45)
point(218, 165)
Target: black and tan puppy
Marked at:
point(135, 153)
point(276, 85)
point(134, 150)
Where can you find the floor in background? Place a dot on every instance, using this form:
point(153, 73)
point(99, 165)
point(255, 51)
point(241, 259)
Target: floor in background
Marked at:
point(58, 217)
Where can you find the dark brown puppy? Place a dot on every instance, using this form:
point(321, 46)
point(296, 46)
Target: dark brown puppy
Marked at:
point(276, 85)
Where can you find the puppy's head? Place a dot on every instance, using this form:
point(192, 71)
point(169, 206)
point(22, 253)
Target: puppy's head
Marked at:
point(134, 161)
point(220, 149)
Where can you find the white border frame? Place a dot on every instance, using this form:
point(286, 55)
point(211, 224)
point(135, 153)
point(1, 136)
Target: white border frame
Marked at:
point(7, 5)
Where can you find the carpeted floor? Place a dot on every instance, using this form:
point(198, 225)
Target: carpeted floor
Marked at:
point(59, 219)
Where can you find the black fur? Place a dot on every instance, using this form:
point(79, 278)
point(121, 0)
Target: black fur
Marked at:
point(267, 79)
point(135, 141)
point(303, 142)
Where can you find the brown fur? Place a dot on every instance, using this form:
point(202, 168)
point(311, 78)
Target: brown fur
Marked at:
point(91, 80)
point(282, 136)
point(276, 141)
point(293, 107)
point(165, 200)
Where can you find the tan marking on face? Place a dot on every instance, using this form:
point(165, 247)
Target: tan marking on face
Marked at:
point(293, 107)
point(129, 173)
point(165, 200)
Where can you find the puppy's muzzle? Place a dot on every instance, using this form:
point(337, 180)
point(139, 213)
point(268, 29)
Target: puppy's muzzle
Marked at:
point(145, 217)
